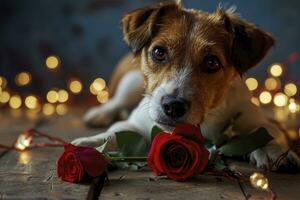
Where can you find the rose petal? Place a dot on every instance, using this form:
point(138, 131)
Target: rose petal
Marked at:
point(153, 159)
point(92, 160)
point(189, 131)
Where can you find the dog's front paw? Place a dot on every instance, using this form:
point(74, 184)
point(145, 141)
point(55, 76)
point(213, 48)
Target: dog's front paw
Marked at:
point(100, 116)
point(266, 158)
point(88, 141)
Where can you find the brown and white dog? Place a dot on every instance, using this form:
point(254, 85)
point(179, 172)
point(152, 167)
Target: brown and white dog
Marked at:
point(190, 65)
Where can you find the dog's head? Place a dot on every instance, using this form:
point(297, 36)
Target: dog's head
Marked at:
point(190, 57)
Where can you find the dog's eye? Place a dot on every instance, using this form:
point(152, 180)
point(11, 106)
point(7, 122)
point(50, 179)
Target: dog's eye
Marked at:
point(211, 63)
point(159, 55)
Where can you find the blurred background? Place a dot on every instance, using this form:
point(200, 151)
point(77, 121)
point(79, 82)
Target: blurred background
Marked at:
point(55, 54)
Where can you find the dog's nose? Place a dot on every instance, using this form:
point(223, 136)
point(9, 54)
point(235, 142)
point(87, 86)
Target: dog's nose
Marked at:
point(174, 107)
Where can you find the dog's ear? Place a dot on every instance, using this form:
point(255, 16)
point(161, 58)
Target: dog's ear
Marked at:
point(250, 43)
point(140, 25)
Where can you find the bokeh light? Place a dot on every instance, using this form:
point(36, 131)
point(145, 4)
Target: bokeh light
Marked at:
point(48, 109)
point(23, 78)
point(255, 101)
point(52, 96)
point(15, 102)
point(61, 109)
point(97, 86)
point(31, 102)
point(290, 89)
point(293, 107)
point(63, 96)
point(276, 70)
point(272, 83)
point(75, 86)
point(3, 82)
point(4, 97)
point(280, 99)
point(52, 62)
point(251, 83)
point(265, 97)
point(103, 96)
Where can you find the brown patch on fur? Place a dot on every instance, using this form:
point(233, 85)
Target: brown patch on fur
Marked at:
point(189, 36)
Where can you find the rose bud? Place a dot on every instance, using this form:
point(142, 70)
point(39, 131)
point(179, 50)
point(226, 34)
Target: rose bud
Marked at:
point(179, 155)
point(80, 163)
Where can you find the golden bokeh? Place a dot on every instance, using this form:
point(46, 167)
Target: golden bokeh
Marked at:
point(97, 86)
point(3, 82)
point(63, 96)
point(272, 83)
point(280, 99)
point(4, 97)
point(75, 86)
point(265, 97)
point(255, 101)
point(259, 180)
point(276, 70)
point(61, 109)
point(103, 96)
point(23, 78)
point(293, 107)
point(52, 96)
point(48, 109)
point(290, 89)
point(31, 102)
point(15, 102)
point(251, 83)
point(52, 62)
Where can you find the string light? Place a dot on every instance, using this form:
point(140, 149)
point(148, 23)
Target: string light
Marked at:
point(290, 89)
point(103, 96)
point(251, 83)
point(265, 97)
point(63, 96)
point(15, 102)
point(48, 109)
point(4, 97)
point(52, 96)
point(31, 102)
point(23, 142)
point(280, 99)
point(276, 70)
point(23, 79)
point(75, 86)
point(259, 181)
point(52, 62)
point(61, 109)
point(272, 83)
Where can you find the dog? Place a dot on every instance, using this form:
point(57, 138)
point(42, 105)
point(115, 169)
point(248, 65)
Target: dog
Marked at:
point(189, 65)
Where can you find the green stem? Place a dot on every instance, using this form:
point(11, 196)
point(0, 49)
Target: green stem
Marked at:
point(128, 159)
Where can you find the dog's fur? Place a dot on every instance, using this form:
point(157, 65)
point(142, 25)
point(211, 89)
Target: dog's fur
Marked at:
point(214, 98)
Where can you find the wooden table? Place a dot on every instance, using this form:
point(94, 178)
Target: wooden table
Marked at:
point(32, 174)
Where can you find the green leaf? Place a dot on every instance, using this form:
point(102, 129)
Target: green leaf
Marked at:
point(246, 144)
point(155, 130)
point(131, 144)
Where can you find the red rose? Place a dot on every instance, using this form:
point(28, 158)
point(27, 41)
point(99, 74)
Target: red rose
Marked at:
point(78, 163)
point(179, 155)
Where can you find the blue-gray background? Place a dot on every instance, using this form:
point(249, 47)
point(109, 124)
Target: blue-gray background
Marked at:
point(86, 35)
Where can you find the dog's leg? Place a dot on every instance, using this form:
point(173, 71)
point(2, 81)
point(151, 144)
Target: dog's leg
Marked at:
point(139, 121)
point(253, 118)
point(109, 135)
point(128, 94)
